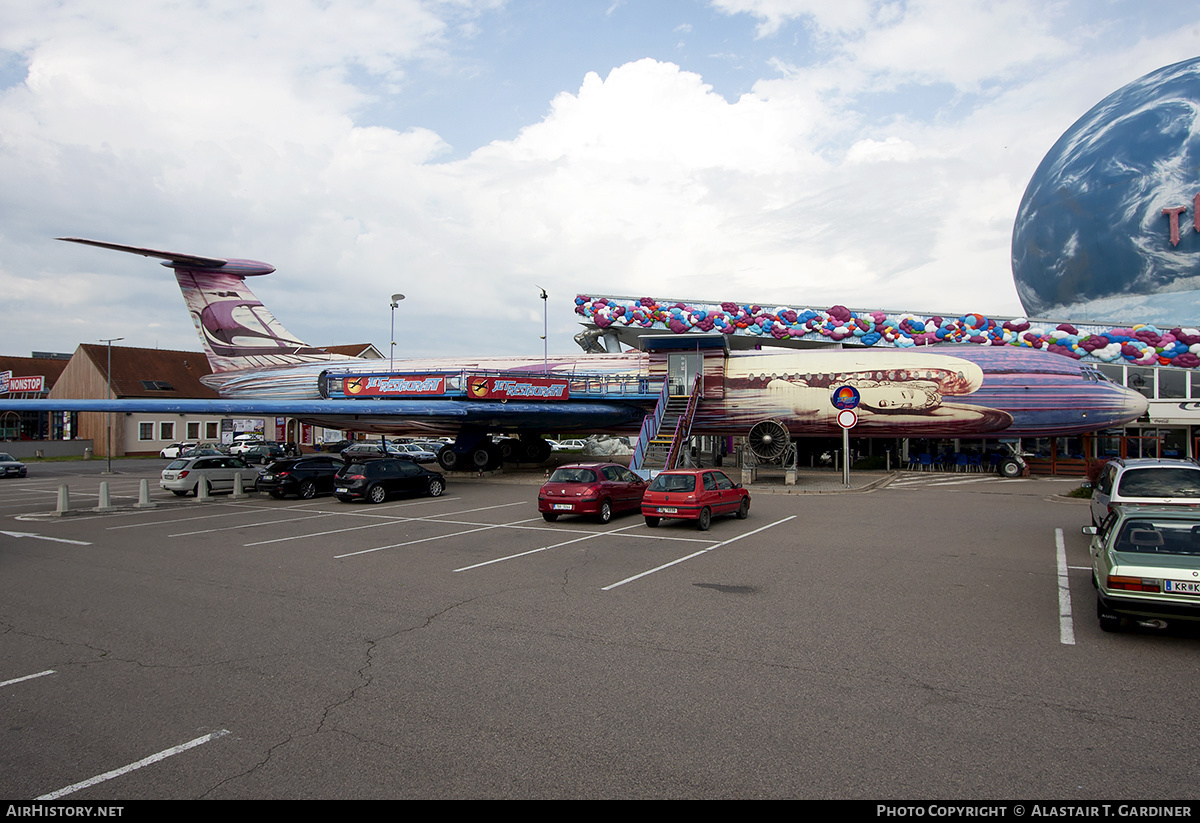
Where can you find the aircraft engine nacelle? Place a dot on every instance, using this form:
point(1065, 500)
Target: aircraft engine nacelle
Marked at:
point(768, 439)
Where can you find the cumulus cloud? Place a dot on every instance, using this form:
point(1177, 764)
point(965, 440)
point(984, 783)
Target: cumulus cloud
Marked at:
point(878, 166)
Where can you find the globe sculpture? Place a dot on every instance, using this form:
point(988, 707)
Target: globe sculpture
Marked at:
point(1109, 227)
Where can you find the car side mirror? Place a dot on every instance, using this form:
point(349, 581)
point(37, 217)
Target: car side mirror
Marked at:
point(1089, 530)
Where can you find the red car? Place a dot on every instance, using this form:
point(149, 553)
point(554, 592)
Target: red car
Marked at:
point(599, 489)
point(694, 494)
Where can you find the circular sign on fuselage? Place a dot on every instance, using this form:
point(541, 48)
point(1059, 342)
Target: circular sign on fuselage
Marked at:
point(845, 397)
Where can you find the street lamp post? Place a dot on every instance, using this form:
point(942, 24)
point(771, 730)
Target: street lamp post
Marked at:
point(396, 298)
point(545, 344)
point(108, 446)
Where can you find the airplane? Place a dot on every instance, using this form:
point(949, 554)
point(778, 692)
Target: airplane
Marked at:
point(261, 368)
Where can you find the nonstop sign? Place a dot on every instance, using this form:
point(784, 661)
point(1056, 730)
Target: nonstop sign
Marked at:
point(394, 385)
point(526, 388)
point(15, 385)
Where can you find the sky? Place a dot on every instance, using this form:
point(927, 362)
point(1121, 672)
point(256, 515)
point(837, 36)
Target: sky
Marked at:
point(467, 153)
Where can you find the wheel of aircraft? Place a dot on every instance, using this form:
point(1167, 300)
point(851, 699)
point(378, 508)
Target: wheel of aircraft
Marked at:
point(535, 451)
point(447, 458)
point(510, 450)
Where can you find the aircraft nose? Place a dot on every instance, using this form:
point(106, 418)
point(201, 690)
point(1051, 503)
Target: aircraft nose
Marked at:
point(1136, 404)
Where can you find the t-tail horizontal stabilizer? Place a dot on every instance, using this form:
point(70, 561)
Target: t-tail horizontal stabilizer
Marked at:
point(236, 329)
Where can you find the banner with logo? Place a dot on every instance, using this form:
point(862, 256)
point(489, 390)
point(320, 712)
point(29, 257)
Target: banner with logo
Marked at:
point(408, 385)
point(523, 388)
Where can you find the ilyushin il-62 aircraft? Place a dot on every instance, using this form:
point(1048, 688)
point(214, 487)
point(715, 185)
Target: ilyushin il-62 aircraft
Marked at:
point(260, 368)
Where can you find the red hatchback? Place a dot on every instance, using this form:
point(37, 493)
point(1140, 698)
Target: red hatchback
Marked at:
point(600, 489)
point(694, 494)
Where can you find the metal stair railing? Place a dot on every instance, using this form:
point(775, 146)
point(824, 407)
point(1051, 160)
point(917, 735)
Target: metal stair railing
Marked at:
point(650, 427)
point(683, 427)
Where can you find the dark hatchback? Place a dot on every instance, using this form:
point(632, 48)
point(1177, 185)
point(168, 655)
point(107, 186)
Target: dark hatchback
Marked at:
point(376, 480)
point(305, 477)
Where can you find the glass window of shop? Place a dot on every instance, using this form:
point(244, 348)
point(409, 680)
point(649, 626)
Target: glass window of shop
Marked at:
point(1172, 383)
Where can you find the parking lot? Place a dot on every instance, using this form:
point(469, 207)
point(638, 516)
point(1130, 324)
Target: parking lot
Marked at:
point(933, 637)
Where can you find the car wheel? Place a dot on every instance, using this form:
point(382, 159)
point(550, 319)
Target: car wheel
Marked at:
point(705, 519)
point(606, 511)
point(308, 490)
point(652, 521)
point(436, 488)
point(376, 494)
point(549, 517)
point(179, 492)
point(1109, 622)
point(276, 493)
point(744, 510)
point(1010, 469)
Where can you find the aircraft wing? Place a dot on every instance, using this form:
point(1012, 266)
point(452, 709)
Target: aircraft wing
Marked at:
point(539, 416)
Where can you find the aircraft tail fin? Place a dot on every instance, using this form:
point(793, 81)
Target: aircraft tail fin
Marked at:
point(236, 330)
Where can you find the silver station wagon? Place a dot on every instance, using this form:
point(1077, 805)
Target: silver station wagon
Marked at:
point(183, 476)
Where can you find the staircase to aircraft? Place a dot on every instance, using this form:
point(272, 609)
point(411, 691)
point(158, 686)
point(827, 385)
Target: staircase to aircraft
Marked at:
point(665, 433)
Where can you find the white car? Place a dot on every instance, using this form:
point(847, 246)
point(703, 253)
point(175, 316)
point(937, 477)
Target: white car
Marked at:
point(172, 451)
point(243, 442)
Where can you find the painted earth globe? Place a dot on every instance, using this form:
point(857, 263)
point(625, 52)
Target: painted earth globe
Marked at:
point(1108, 229)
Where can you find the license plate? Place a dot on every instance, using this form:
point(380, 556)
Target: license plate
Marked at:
point(563, 507)
point(663, 510)
point(340, 490)
point(267, 477)
point(1181, 587)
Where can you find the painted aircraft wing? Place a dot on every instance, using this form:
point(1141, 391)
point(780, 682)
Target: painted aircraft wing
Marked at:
point(539, 415)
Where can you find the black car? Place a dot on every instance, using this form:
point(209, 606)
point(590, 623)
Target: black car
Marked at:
point(10, 466)
point(305, 477)
point(264, 453)
point(375, 480)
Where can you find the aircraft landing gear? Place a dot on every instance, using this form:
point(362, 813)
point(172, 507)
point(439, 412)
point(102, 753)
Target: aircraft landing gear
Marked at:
point(483, 455)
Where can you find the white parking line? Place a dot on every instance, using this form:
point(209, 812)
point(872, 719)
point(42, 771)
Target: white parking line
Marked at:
point(1066, 627)
point(154, 758)
point(26, 677)
point(695, 554)
point(391, 521)
point(428, 539)
point(544, 548)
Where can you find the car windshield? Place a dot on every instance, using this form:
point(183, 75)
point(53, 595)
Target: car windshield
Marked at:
point(177, 464)
point(1160, 482)
point(573, 475)
point(7, 457)
point(1159, 537)
point(674, 483)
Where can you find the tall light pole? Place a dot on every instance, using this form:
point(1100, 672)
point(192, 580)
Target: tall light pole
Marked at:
point(396, 298)
point(108, 447)
point(545, 345)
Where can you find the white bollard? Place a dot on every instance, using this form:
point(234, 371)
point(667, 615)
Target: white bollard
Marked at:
point(202, 490)
point(104, 504)
point(144, 496)
point(64, 501)
point(238, 493)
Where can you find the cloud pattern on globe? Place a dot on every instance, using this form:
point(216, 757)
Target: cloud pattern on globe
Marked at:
point(1091, 241)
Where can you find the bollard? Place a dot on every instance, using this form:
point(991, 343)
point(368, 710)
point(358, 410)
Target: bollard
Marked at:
point(104, 504)
point(144, 496)
point(64, 501)
point(238, 493)
point(202, 490)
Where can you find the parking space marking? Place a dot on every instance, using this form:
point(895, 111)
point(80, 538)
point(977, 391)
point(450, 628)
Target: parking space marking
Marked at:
point(146, 761)
point(695, 554)
point(390, 520)
point(1066, 626)
point(316, 516)
point(26, 677)
point(431, 538)
point(588, 536)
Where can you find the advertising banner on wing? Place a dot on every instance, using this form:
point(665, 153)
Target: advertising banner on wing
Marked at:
point(522, 388)
point(408, 385)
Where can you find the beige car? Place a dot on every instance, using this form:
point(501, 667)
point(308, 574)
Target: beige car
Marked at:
point(182, 477)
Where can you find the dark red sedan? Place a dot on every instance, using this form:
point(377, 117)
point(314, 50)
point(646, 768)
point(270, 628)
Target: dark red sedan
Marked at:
point(598, 489)
point(694, 494)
